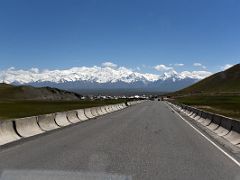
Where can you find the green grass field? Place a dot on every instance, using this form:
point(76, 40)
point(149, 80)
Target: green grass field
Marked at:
point(225, 105)
point(18, 109)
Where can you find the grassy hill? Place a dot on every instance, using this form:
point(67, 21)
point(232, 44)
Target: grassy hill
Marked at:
point(227, 105)
point(10, 92)
point(219, 93)
point(227, 81)
point(18, 109)
point(22, 101)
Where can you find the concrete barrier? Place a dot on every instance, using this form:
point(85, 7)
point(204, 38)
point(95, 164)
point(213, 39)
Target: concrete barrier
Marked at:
point(234, 135)
point(103, 109)
point(99, 111)
point(114, 107)
point(180, 108)
point(216, 120)
point(81, 115)
point(202, 118)
point(189, 111)
point(61, 119)
point(12, 130)
point(220, 126)
point(106, 109)
point(88, 113)
point(224, 128)
point(124, 105)
point(220, 131)
point(193, 115)
point(184, 110)
point(198, 116)
point(118, 107)
point(109, 109)
point(72, 116)
point(28, 126)
point(207, 119)
point(94, 111)
point(7, 132)
point(47, 122)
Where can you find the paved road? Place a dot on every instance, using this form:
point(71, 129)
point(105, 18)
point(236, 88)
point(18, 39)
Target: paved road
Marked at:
point(146, 141)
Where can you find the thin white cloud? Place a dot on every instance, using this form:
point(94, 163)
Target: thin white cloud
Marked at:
point(226, 66)
point(178, 64)
point(35, 70)
point(199, 65)
point(194, 74)
point(109, 64)
point(11, 68)
point(144, 66)
point(162, 67)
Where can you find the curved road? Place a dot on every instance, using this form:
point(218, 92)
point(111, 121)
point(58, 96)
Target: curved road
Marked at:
point(146, 141)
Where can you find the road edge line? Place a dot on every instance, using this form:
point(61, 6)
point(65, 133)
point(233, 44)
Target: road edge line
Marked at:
point(208, 139)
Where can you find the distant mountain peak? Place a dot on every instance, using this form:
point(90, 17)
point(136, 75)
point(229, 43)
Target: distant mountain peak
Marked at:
point(94, 74)
point(99, 76)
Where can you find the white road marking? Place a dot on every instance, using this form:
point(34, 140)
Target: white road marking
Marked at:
point(213, 143)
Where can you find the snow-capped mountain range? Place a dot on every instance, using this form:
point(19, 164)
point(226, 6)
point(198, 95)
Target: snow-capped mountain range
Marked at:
point(101, 77)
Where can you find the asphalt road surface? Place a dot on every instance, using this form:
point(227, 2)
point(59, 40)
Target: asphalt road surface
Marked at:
point(147, 141)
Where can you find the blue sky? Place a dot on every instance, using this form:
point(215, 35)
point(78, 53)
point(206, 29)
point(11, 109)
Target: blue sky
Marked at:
point(59, 34)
